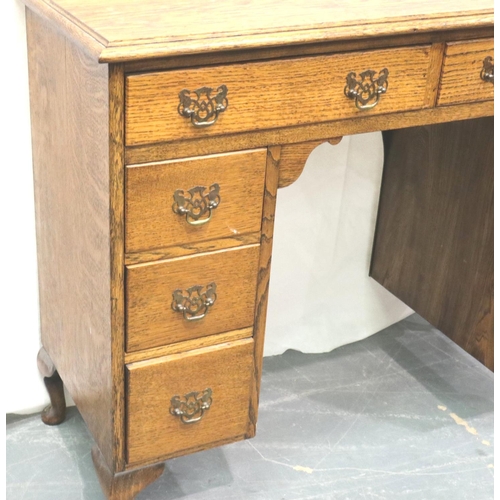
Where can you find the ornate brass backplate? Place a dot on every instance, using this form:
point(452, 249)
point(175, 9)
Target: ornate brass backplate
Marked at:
point(195, 303)
point(191, 407)
point(366, 90)
point(195, 203)
point(203, 108)
point(487, 71)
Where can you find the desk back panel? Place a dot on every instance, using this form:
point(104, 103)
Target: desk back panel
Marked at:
point(433, 245)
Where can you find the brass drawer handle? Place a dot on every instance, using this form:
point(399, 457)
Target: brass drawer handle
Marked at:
point(196, 204)
point(367, 90)
point(203, 109)
point(487, 72)
point(191, 407)
point(195, 304)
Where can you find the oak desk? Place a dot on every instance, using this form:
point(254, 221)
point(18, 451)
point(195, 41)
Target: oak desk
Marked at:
point(161, 134)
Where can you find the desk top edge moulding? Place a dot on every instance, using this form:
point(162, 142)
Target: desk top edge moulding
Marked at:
point(161, 133)
point(121, 31)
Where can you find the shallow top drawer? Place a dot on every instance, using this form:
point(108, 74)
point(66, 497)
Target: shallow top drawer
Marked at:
point(189, 201)
point(182, 104)
point(467, 74)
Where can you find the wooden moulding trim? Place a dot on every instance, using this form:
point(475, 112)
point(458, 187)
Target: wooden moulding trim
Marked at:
point(129, 50)
point(191, 248)
point(311, 49)
point(117, 256)
point(188, 345)
point(86, 39)
point(184, 257)
point(306, 133)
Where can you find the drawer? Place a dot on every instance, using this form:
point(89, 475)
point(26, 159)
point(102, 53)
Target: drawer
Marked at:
point(188, 201)
point(266, 95)
point(216, 384)
point(227, 278)
point(462, 69)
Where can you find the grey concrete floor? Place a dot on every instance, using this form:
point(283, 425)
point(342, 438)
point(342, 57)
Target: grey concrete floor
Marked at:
point(404, 414)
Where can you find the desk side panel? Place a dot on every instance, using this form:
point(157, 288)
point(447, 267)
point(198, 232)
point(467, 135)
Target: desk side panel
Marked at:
point(69, 115)
point(433, 246)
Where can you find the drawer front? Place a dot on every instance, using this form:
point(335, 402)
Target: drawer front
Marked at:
point(188, 201)
point(216, 381)
point(227, 278)
point(267, 95)
point(461, 79)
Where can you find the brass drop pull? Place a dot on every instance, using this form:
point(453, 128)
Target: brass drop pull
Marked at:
point(203, 108)
point(367, 90)
point(195, 204)
point(487, 72)
point(191, 407)
point(195, 303)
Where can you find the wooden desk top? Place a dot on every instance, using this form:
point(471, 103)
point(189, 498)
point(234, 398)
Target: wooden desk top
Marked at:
point(126, 30)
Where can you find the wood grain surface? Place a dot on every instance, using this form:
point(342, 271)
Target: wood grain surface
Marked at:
point(125, 485)
point(117, 255)
point(273, 94)
point(262, 292)
point(191, 248)
point(460, 81)
point(434, 240)
point(443, 35)
point(129, 31)
point(293, 159)
point(307, 133)
point(150, 220)
point(188, 345)
point(151, 322)
point(154, 433)
point(70, 137)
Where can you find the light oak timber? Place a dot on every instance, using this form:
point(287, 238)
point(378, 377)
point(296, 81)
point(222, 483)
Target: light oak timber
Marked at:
point(188, 345)
point(130, 32)
point(154, 433)
point(293, 159)
point(191, 248)
point(90, 43)
point(433, 78)
point(151, 321)
point(70, 139)
point(461, 81)
point(272, 94)
point(307, 133)
point(124, 485)
point(320, 48)
point(149, 194)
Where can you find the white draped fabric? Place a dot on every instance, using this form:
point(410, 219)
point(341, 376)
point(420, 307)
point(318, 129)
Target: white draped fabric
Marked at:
point(321, 296)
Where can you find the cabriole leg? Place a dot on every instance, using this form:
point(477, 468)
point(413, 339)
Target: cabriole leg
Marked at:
point(55, 413)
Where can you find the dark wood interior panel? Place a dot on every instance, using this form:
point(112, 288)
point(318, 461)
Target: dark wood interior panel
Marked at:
point(433, 245)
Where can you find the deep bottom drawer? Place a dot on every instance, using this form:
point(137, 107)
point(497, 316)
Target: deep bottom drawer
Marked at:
point(188, 401)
